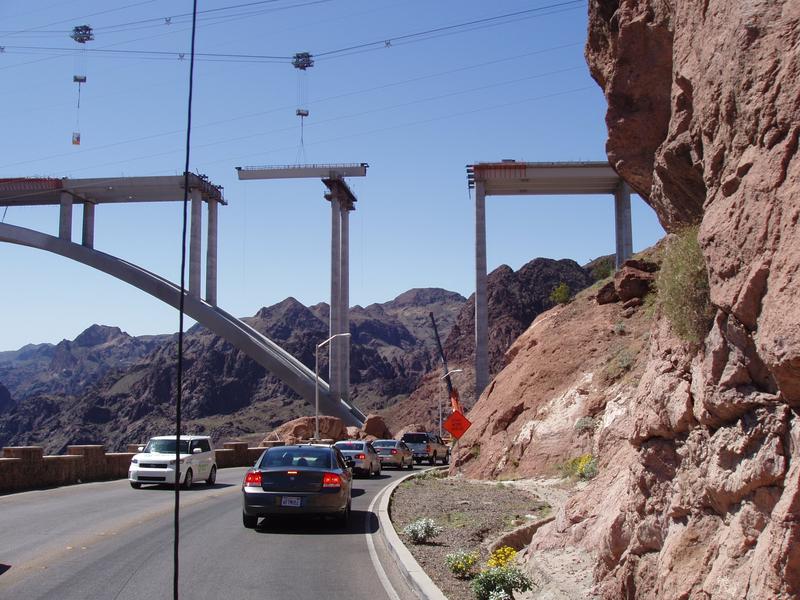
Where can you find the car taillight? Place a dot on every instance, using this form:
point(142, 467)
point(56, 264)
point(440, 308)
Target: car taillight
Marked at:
point(252, 478)
point(291, 472)
point(394, 450)
point(428, 448)
point(331, 480)
point(361, 457)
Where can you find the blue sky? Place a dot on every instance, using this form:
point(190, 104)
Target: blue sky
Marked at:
point(417, 109)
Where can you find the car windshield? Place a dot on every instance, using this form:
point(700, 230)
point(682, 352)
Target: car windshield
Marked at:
point(349, 445)
point(384, 443)
point(415, 438)
point(166, 447)
point(297, 457)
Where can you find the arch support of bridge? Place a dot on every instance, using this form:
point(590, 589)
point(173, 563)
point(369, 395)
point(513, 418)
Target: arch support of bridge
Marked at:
point(511, 178)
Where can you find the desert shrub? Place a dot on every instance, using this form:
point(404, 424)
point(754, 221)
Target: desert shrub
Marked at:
point(489, 583)
point(422, 530)
point(501, 557)
point(619, 328)
point(603, 269)
point(499, 595)
point(581, 467)
point(682, 284)
point(560, 294)
point(585, 424)
point(461, 563)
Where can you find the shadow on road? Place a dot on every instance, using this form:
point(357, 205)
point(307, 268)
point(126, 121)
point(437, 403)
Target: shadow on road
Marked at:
point(361, 522)
point(195, 488)
point(4, 568)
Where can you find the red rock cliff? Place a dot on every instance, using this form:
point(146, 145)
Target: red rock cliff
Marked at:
point(698, 492)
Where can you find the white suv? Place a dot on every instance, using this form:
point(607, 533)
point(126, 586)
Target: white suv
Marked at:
point(155, 462)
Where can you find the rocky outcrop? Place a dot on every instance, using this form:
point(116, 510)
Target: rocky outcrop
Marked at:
point(697, 492)
point(515, 298)
point(304, 428)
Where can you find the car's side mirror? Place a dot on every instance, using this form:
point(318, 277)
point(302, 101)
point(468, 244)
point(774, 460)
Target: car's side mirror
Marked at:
point(140, 448)
point(197, 451)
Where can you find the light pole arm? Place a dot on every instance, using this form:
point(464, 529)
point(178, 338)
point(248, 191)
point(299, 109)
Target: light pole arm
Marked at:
point(316, 381)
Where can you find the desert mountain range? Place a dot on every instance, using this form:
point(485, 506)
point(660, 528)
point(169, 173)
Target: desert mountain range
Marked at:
point(108, 387)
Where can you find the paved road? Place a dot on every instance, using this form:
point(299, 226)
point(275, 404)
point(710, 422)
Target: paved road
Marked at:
point(107, 541)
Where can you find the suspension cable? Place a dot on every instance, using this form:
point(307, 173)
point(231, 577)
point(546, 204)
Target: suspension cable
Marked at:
point(179, 395)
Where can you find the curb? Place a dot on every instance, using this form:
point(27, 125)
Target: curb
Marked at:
point(418, 580)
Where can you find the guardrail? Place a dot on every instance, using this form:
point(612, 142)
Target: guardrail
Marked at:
point(27, 467)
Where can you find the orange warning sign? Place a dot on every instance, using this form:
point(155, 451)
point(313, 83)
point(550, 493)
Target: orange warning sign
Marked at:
point(456, 424)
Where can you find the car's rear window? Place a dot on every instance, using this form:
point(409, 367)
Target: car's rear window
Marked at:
point(384, 443)
point(349, 445)
point(296, 457)
point(415, 438)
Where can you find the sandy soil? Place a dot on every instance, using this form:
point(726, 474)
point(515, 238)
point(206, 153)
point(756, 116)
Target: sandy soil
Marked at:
point(474, 514)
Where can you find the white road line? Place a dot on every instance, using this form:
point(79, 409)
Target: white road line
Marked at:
point(387, 585)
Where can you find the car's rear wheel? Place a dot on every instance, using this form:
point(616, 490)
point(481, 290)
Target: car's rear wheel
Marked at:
point(249, 521)
point(432, 460)
point(446, 459)
point(187, 481)
point(344, 517)
point(411, 465)
point(136, 485)
point(212, 477)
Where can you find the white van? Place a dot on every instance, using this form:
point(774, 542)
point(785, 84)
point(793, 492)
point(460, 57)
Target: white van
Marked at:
point(155, 462)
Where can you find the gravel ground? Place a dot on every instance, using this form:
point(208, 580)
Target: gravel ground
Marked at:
point(473, 516)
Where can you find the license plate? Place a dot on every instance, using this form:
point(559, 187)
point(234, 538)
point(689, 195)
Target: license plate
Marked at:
point(291, 501)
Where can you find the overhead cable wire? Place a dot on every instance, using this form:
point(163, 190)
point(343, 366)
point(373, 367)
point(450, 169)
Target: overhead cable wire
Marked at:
point(292, 128)
point(351, 93)
point(393, 39)
point(404, 39)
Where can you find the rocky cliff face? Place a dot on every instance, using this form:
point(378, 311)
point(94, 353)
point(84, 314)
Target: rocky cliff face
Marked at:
point(698, 491)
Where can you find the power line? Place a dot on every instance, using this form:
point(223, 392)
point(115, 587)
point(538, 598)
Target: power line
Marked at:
point(403, 39)
point(337, 97)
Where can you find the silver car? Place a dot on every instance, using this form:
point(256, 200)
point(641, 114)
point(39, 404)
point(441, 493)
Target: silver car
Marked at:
point(365, 459)
point(394, 453)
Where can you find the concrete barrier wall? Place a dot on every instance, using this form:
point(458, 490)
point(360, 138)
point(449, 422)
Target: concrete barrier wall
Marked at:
point(27, 468)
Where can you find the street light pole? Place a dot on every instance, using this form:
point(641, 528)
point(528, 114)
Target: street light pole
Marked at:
point(445, 376)
point(316, 381)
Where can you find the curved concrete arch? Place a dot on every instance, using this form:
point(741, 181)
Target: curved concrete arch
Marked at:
point(257, 346)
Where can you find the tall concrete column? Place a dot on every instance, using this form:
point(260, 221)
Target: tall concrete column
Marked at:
point(344, 294)
point(195, 243)
point(65, 217)
point(334, 368)
point(211, 253)
point(481, 308)
point(622, 223)
point(88, 224)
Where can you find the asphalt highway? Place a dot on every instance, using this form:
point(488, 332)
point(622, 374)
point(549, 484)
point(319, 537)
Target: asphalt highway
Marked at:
point(108, 541)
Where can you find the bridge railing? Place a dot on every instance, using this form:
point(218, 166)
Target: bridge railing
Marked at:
point(28, 468)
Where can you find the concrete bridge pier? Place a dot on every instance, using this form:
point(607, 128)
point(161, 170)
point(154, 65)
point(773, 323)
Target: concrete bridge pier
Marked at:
point(622, 221)
point(481, 302)
point(211, 253)
point(88, 224)
point(65, 217)
point(334, 368)
point(195, 244)
point(344, 304)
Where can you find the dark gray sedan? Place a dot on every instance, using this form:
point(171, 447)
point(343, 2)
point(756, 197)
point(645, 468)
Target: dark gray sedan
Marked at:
point(394, 453)
point(297, 480)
